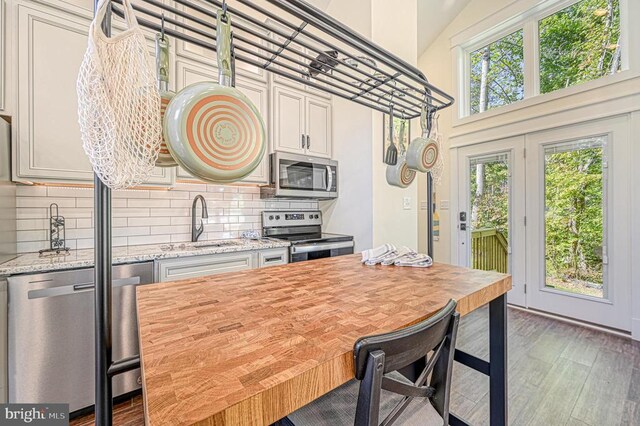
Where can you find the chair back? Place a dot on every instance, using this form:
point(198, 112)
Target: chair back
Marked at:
point(407, 351)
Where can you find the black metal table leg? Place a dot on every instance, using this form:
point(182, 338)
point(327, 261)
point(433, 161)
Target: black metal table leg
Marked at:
point(498, 411)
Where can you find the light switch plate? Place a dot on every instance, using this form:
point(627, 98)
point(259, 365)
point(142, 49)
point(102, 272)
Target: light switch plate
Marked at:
point(406, 203)
point(444, 204)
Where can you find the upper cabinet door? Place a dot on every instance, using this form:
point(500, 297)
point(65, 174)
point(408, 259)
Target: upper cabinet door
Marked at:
point(319, 128)
point(47, 134)
point(208, 57)
point(288, 121)
point(188, 73)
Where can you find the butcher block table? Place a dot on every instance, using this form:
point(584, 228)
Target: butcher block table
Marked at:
point(248, 348)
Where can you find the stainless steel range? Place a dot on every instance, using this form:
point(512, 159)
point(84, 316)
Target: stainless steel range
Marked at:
point(304, 230)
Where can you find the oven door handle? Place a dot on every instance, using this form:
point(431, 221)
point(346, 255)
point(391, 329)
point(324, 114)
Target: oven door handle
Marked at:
point(308, 248)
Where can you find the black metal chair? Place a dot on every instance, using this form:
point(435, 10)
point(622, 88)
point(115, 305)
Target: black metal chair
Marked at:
point(393, 370)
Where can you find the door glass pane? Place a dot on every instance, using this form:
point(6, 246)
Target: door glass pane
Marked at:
point(497, 73)
point(579, 43)
point(489, 221)
point(574, 182)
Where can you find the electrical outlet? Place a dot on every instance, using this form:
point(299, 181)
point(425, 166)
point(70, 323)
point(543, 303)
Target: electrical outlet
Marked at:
point(406, 203)
point(444, 204)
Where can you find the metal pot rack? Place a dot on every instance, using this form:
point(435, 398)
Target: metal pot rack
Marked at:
point(291, 39)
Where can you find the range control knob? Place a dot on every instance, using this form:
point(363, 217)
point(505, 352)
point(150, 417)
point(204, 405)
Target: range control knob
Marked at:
point(278, 217)
point(271, 217)
point(316, 216)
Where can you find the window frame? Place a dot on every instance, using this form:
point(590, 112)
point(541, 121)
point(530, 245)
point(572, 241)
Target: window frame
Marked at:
point(528, 20)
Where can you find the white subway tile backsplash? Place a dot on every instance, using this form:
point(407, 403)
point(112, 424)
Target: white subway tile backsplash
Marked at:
point(22, 202)
point(143, 216)
point(53, 191)
point(31, 191)
point(169, 195)
point(131, 231)
point(155, 203)
point(168, 230)
point(148, 221)
point(148, 239)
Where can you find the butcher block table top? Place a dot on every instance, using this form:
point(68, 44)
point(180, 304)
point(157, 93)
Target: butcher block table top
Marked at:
point(251, 347)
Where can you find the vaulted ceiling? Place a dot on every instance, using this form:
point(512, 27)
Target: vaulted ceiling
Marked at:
point(433, 17)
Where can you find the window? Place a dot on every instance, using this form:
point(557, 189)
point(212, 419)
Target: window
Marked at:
point(579, 43)
point(575, 178)
point(556, 45)
point(497, 73)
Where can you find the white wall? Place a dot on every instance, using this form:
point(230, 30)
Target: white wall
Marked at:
point(395, 29)
point(352, 212)
point(368, 207)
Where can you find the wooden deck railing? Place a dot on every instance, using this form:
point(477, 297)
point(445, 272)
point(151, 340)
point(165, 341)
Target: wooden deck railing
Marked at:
point(489, 250)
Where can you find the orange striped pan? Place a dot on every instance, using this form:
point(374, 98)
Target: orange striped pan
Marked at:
point(213, 130)
point(165, 159)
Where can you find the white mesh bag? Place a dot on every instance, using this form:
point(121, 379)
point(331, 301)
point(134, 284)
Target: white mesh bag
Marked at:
point(119, 104)
point(438, 168)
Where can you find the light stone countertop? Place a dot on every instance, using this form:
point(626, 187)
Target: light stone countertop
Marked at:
point(33, 262)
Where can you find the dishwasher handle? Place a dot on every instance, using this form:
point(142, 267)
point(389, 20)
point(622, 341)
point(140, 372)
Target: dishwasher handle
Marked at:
point(76, 288)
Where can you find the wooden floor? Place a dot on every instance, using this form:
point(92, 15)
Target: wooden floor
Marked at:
point(559, 374)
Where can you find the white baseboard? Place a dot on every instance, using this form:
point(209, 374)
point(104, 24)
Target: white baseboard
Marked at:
point(635, 335)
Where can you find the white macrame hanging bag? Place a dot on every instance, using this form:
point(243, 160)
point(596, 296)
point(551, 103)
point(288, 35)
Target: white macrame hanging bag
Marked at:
point(119, 104)
point(438, 168)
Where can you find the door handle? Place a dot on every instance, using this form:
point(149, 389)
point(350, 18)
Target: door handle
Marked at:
point(302, 141)
point(308, 141)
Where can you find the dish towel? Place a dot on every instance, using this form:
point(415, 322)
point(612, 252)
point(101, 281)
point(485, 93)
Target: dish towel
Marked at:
point(377, 255)
point(415, 260)
point(388, 254)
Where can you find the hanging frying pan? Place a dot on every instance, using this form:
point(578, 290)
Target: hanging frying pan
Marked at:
point(213, 130)
point(165, 159)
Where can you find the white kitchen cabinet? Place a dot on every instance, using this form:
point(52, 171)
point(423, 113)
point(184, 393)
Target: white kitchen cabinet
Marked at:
point(301, 124)
point(208, 57)
point(318, 124)
point(212, 264)
point(47, 136)
point(199, 266)
point(273, 257)
point(188, 72)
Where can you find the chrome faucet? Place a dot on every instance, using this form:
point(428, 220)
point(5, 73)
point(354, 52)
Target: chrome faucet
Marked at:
point(196, 231)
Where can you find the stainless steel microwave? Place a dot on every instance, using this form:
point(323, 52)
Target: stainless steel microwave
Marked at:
point(301, 176)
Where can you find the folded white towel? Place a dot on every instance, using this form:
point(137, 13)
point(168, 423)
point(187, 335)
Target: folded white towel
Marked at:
point(415, 260)
point(378, 254)
point(398, 254)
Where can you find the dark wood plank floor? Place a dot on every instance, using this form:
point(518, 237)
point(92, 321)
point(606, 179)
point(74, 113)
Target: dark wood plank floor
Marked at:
point(559, 374)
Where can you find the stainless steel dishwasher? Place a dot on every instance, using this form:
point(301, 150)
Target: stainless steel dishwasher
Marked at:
point(51, 329)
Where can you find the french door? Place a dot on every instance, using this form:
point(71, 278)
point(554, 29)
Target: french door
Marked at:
point(578, 227)
point(491, 208)
point(552, 209)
